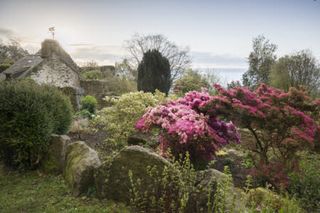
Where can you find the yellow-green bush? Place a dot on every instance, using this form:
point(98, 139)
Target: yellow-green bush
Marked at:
point(119, 119)
point(267, 201)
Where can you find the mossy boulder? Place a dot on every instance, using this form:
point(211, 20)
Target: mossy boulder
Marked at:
point(206, 188)
point(143, 139)
point(113, 177)
point(54, 161)
point(81, 162)
point(234, 159)
point(206, 181)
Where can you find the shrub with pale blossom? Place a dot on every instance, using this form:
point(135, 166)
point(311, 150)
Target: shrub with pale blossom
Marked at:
point(186, 128)
point(119, 119)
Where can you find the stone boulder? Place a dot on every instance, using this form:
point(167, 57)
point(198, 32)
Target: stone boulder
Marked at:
point(205, 185)
point(141, 138)
point(235, 160)
point(55, 159)
point(81, 162)
point(113, 177)
point(206, 181)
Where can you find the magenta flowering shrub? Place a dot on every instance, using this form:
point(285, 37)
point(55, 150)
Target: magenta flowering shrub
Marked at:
point(185, 127)
point(280, 122)
point(283, 116)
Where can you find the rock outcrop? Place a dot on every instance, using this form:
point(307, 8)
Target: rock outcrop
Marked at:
point(235, 160)
point(206, 186)
point(54, 161)
point(113, 178)
point(81, 162)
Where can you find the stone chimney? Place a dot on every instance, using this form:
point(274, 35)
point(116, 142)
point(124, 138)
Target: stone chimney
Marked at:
point(48, 47)
point(51, 47)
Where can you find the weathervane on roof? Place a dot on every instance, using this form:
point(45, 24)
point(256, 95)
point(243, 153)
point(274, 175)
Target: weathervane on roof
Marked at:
point(52, 30)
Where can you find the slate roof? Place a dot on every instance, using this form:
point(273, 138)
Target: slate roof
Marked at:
point(23, 65)
point(26, 64)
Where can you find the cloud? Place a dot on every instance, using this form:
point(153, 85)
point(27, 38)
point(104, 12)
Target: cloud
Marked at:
point(103, 54)
point(7, 35)
point(207, 59)
point(6, 32)
point(80, 44)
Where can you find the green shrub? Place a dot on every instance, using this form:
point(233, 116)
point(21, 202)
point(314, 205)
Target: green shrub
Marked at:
point(190, 81)
point(265, 200)
point(89, 103)
point(119, 119)
point(305, 183)
point(169, 191)
point(60, 106)
point(3, 67)
point(29, 114)
point(92, 75)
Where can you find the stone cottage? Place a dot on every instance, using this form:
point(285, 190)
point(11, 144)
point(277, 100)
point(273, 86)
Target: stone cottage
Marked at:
point(51, 65)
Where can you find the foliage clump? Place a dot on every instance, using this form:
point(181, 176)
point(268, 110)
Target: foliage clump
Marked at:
point(29, 114)
point(298, 70)
point(190, 81)
point(119, 119)
point(154, 73)
point(264, 200)
point(170, 190)
point(261, 60)
point(92, 75)
point(89, 103)
point(304, 183)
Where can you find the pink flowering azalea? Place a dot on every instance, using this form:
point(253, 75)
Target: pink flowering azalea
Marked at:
point(197, 122)
point(186, 129)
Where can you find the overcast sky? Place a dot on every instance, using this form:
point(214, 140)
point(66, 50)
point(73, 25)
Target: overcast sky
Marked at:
point(218, 33)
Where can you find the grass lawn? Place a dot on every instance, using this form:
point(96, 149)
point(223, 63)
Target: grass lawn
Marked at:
point(35, 192)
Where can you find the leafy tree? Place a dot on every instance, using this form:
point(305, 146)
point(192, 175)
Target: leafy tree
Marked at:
point(260, 61)
point(233, 84)
point(154, 72)
point(178, 57)
point(299, 69)
point(124, 69)
point(281, 124)
point(10, 53)
point(190, 81)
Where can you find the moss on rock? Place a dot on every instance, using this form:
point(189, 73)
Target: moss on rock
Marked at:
point(113, 177)
point(55, 159)
point(81, 161)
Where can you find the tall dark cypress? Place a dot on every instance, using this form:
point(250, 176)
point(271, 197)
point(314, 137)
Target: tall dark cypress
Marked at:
point(154, 72)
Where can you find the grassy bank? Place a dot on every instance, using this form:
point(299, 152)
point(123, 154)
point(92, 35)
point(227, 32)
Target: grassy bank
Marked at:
point(35, 192)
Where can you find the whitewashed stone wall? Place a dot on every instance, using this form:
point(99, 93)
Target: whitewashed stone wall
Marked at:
point(55, 72)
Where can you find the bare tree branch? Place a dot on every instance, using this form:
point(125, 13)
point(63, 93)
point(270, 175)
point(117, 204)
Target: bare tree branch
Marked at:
point(178, 57)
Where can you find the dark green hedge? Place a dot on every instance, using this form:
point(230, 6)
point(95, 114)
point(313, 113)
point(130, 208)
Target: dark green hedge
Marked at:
point(29, 114)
